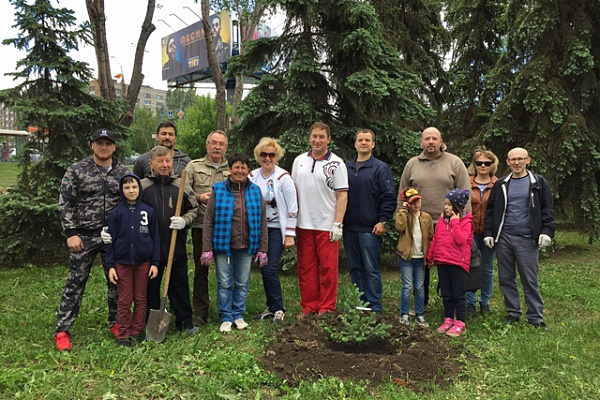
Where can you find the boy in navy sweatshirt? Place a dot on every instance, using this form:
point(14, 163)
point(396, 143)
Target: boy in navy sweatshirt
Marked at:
point(132, 257)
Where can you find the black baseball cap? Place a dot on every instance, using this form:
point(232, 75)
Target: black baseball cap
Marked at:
point(104, 133)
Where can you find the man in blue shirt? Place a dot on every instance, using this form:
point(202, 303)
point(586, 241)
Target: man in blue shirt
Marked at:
point(371, 203)
point(519, 220)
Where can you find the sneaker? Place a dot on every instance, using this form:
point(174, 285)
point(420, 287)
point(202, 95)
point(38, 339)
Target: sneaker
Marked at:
point(138, 337)
point(412, 312)
point(539, 324)
point(421, 321)
point(484, 308)
point(225, 327)
point(192, 331)
point(471, 310)
point(448, 323)
point(115, 329)
point(278, 316)
point(511, 319)
point(457, 329)
point(62, 341)
point(240, 324)
point(267, 314)
point(124, 342)
point(404, 319)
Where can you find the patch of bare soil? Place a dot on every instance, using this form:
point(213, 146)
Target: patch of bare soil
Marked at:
point(412, 356)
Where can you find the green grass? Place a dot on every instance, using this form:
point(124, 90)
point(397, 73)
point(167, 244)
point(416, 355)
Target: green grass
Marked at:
point(499, 361)
point(8, 174)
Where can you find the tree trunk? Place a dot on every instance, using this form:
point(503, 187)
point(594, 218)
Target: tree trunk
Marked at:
point(246, 31)
point(95, 9)
point(215, 68)
point(136, 75)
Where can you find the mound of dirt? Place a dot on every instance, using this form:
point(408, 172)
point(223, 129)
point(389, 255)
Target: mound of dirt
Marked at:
point(412, 356)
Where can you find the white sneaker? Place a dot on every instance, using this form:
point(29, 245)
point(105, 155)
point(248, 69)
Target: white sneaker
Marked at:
point(404, 319)
point(278, 317)
point(240, 323)
point(225, 327)
point(421, 321)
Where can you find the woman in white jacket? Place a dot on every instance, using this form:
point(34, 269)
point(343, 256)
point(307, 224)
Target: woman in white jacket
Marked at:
point(279, 193)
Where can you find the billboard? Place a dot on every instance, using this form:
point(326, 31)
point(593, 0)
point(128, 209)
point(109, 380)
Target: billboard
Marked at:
point(184, 51)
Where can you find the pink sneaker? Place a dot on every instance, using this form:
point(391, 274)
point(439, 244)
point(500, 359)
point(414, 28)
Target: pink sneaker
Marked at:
point(457, 330)
point(448, 323)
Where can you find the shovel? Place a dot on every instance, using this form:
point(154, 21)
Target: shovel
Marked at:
point(158, 320)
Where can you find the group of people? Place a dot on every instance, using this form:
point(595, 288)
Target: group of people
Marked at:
point(237, 216)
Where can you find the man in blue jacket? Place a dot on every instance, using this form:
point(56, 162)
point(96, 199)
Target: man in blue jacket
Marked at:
point(519, 220)
point(371, 203)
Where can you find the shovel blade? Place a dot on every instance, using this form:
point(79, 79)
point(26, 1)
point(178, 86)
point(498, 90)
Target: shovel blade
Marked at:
point(158, 323)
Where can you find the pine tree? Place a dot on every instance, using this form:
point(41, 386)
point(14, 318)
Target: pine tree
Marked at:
point(549, 83)
point(52, 98)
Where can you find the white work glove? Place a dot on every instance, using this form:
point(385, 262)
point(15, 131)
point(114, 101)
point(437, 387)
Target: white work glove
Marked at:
point(544, 241)
point(336, 232)
point(106, 238)
point(177, 223)
point(489, 241)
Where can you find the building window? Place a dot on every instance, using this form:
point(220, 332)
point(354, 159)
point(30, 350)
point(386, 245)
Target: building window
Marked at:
point(147, 102)
point(147, 95)
point(159, 97)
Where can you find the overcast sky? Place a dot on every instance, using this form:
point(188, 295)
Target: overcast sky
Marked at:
point(123, 24)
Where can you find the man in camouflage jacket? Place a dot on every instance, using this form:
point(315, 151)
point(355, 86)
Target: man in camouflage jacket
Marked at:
point(88, 192)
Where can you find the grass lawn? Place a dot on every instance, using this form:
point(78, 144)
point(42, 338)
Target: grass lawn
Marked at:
point(499, 361)
point(8, 174)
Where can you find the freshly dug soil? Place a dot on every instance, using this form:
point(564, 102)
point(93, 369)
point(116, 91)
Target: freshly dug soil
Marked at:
point(412, 356)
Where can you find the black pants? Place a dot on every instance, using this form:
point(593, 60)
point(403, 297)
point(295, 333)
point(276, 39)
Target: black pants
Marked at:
point(179, 293)
point(453, 281)
point(201, 297)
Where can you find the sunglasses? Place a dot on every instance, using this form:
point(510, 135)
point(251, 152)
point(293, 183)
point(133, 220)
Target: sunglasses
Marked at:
point(486, 163)
point(265, 155)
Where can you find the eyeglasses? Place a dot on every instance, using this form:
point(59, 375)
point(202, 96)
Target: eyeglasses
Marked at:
point(517, 160)
point(265, 155)
point(486, 163)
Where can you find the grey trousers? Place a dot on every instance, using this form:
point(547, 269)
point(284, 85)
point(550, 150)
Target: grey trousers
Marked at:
point(80, 265)
point(517, 253)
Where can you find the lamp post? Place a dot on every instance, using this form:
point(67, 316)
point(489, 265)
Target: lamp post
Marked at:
point(164, 22)
point(176, 16)
point(199, 17)
point(123, 94)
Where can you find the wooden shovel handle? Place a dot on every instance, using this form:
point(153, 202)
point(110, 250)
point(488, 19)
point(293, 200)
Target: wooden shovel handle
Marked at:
point(174, 234)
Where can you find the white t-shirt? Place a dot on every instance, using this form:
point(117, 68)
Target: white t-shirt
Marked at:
point(267, 189)
point(417, 239)
point(316, 183)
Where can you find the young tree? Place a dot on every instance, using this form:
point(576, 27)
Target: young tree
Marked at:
point(200, 119)
point(143, 127)
point(52, 98)
point(549, 83)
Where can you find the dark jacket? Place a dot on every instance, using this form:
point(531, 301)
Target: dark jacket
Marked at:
point(541, 207)
point(87, 195)
point(134, 229)
point(371, 197)
point(161, 194)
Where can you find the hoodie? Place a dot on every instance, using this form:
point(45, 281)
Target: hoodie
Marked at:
point(134, 229)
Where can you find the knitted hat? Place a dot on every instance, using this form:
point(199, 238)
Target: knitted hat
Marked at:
point(459, 197)
point(409, 194)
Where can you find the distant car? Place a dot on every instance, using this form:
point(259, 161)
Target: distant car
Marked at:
point(130, 160)
point(34, 155)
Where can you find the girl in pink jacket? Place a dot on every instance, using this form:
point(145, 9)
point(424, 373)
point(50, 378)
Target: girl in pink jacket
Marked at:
point(450, 251)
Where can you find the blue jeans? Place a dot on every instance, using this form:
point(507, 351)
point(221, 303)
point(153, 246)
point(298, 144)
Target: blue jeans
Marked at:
point(487, 263)
point(362, 250)
point(413, 275)
point(270, 273)
point(233, 276)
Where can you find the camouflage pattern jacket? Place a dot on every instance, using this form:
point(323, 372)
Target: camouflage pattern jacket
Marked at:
point(87, 195)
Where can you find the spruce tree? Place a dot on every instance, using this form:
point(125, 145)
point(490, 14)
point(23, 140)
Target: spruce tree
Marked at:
point(50, 96)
